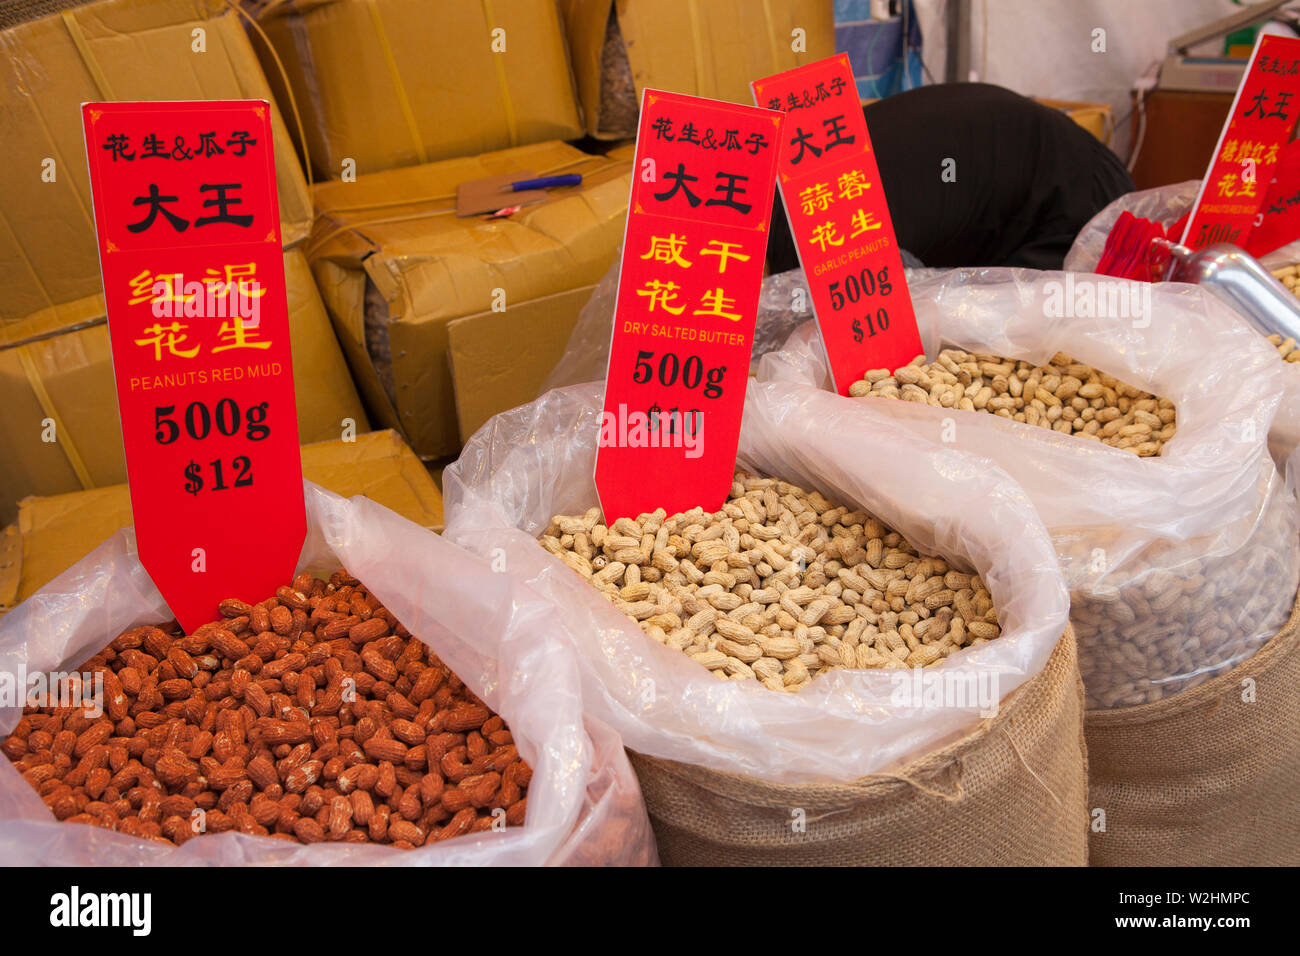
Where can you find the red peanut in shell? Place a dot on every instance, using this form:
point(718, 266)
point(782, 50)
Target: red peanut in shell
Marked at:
point(313, 716)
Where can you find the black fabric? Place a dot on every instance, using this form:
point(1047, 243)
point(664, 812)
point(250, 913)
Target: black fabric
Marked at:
point(1027, 178)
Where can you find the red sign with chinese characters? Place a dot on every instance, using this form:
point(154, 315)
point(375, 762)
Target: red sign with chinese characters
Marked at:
point(840, 221)
point(189, 248)
point(1259, 125)
point(693, 252)
point(1278, 220)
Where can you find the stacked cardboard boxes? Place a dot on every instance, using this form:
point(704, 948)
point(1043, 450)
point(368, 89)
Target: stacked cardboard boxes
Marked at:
point(386, 83)
point(60, 429)
point(620, 49)
point(446, 321)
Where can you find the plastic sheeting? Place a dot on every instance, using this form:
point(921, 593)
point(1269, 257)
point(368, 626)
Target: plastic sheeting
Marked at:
point(1179, 565)
point(534, 462)
point(584, 804)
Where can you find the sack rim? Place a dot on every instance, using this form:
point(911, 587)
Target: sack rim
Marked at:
point(914, 773)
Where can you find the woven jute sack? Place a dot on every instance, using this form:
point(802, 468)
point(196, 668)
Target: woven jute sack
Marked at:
point(1012, 792)
point(1207, 777)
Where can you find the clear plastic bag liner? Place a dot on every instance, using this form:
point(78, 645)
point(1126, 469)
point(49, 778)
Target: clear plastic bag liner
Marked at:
point(583, 801)
point(1163, 204)
point(1167, 204)
point(1127, 529)
point(534, 462)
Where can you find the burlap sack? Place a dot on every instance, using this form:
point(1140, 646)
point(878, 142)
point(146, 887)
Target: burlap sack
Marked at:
point(1013, 792)
point(1204, 778)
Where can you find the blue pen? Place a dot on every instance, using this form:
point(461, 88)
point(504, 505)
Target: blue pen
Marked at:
point(545, 182)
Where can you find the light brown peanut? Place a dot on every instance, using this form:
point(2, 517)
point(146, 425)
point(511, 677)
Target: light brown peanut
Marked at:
point(780, 585)
point(1063, 395)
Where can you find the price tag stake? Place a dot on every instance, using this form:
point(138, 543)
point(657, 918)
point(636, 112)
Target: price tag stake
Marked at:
point(693, 252)
point(831, 189)
point(188, 227)
point(1260, 123)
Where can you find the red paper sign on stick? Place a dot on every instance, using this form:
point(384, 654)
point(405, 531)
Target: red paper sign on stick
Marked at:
point(840, 221)
point(1278, 220)
point(693, 252)
point(1259, 125)
point(189, 248)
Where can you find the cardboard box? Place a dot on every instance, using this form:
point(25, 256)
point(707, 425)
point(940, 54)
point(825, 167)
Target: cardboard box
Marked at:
point(61, 370)
point(111, 50)
point(1096, 118)
point(712, 49)
point(52, 534)
point(390, 83)
point(391, 245)
point(489, 379)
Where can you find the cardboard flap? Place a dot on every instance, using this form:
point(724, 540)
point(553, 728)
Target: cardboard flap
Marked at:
point(489, 379)
point(717, 49)
point(109, 50)
point(711, 49)
point(400, 227)
point(11, 566)
point(389, 83)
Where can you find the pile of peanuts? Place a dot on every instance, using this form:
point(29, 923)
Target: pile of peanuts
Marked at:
point(1289, 276)
point(1182, 615)
point(779, 586)
point(1285, 348)
point(312, 716)
point(1063, 395)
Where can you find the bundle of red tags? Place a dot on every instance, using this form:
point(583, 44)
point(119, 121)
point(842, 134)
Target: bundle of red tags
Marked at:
point(1129, 253)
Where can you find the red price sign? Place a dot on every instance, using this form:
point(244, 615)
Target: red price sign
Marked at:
point(687, 300)
point(189, 248)
point(1259, 125)
point(840, 221)
point(1278, 220)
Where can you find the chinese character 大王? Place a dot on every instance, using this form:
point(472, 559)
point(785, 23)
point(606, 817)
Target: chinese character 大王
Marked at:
point(835, 132)
point(222, 201)
point(729, 189)
point(801, 139)
point(156, 203)
point(680, 179)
